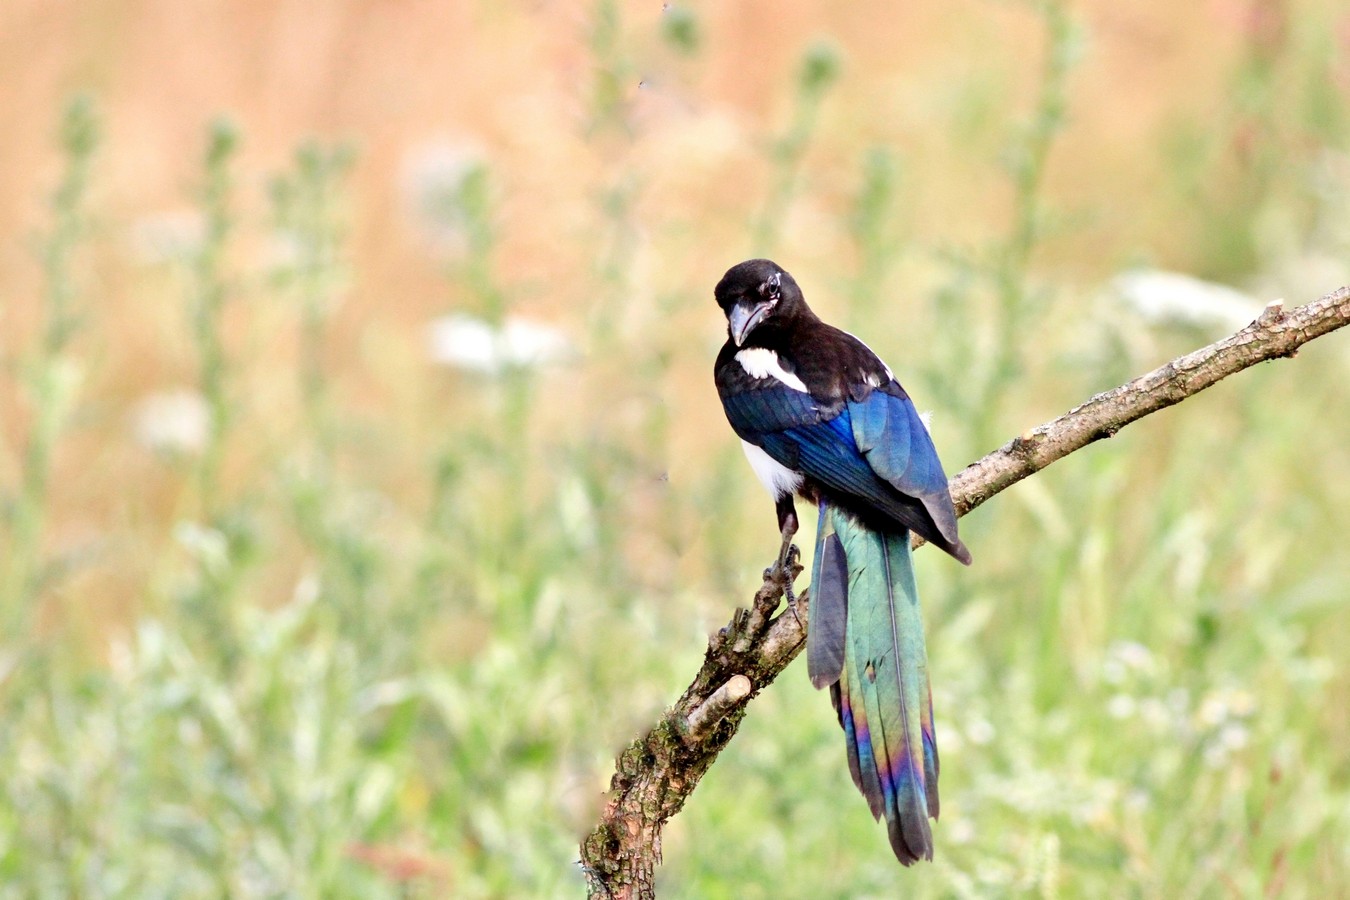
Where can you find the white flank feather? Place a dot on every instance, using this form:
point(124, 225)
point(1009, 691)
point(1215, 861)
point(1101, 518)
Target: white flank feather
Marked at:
point(777, 478)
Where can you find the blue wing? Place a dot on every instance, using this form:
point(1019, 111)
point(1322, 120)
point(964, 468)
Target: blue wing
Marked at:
point(889, 434)
point(875, 450)
point(764, 411)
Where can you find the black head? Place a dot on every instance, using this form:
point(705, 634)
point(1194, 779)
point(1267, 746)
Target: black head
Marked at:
point(756, 293)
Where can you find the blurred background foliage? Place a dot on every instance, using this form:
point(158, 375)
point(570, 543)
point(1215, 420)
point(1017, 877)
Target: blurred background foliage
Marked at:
point(363, 488)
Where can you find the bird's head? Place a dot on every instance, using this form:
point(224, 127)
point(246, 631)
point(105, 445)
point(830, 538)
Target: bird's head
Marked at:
point(754, 293)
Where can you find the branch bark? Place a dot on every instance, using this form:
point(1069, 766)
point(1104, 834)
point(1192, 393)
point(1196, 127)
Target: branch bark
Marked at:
point(658, 771)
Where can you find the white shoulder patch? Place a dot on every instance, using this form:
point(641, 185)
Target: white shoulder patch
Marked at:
point(760, 363)
point(777, 478)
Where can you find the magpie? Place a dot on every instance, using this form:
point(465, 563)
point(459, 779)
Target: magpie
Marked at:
point(821, 417)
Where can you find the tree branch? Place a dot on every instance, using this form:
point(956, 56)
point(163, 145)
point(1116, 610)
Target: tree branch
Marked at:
point(659, 770)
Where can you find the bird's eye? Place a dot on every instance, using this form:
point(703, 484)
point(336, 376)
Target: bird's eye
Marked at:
point(771, 288)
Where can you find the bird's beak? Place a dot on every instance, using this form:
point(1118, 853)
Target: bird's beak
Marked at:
point(744, 317)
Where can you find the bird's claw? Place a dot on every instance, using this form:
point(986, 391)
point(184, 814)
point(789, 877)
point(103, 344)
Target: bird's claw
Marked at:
point(784, 571)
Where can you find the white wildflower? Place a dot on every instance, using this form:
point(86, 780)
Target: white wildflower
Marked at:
point(1121, 706)
point(1234, 736)
point(1215, 755)
point(465, 342)
point(9, 662)
point(958, 831)
point(1241, 702)
point(172, 422)
point(306, 589)
point(385, 694)
point(189, 732)
point(1134, 655)
point(1213, 710)
point(433, 181)
point(168, 236)
point(993, 874)
point(949, 737)
point(1136, 800)
point(980, 731)
point(1221, 705)
point(1154, 712)
point(577, 513)
point(284, 250)
point(207, 545)
point(1173, 298)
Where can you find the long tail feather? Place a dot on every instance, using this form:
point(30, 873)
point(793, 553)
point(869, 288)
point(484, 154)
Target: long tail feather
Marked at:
point(883, 696)
point(825, 643)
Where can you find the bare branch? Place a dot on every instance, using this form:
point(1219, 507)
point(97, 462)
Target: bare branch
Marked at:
point(660, 770)
point(723, 700)
point(1275, 334)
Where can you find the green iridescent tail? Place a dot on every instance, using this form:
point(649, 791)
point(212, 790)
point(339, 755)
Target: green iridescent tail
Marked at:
point(866, 642)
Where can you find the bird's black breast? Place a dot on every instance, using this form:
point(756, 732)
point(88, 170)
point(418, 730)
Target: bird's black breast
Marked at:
point(731, 376)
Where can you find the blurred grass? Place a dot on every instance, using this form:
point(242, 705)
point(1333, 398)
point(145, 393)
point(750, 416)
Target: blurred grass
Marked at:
point(390, 618)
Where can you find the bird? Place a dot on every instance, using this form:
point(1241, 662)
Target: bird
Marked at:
point(820, 416)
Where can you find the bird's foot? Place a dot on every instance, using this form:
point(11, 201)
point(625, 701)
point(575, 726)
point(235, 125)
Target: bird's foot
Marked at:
point(785, 572)
point(787, 552)
point(777, 585)
point(791, 598)
point(791, 566)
